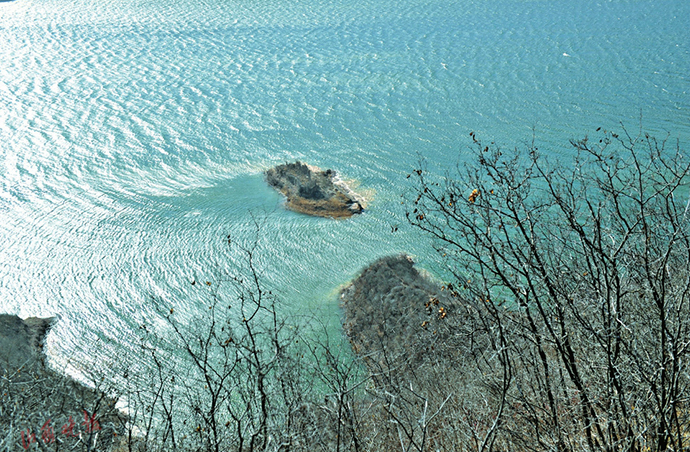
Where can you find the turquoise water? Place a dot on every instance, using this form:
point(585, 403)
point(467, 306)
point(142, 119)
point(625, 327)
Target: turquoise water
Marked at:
point(134, 134)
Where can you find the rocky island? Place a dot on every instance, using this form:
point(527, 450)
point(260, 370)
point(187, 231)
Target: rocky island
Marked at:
point(397, 317)
point(312, 191)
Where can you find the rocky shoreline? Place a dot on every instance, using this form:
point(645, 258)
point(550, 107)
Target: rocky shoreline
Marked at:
point(403, 326)
point(312, 191)
point(396, 317)
point(21, 341)
point(43, 404)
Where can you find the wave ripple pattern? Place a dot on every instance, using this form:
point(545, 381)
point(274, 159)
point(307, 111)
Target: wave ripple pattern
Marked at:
point(133, 135)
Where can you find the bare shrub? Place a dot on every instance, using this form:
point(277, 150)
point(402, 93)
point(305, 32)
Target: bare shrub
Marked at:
point(581, 273)
point(41, 408)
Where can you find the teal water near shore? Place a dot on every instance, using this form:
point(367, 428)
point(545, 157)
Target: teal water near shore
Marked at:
point(134, 134)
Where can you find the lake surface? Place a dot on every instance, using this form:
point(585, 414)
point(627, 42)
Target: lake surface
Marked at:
point(134, 134)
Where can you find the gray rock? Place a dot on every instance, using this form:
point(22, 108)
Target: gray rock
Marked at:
point(394, 315)
point(313, 192)
point(21, 341)
point(32, 394)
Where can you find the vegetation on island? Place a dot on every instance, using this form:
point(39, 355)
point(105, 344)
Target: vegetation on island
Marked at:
point(562, 324)
point(313, 192)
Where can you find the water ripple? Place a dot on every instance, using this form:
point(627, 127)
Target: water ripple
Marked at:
point(133, 135)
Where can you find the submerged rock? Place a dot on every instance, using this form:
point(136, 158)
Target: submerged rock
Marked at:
point(314, 192)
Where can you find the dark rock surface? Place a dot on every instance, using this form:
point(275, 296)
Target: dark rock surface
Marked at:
point(396, 316)
point(34, 397)
point(312, 191)
point(21, 341)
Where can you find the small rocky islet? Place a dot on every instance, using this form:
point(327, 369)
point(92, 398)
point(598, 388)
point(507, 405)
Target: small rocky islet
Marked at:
point(393, 314)
point(314, 192)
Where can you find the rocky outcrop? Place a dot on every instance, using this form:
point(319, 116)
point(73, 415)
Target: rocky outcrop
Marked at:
point(37, 399)
point(396, 316)
point(21, 341)
point(314, 192)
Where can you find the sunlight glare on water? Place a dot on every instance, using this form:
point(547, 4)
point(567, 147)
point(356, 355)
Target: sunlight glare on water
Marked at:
point(134, 135)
